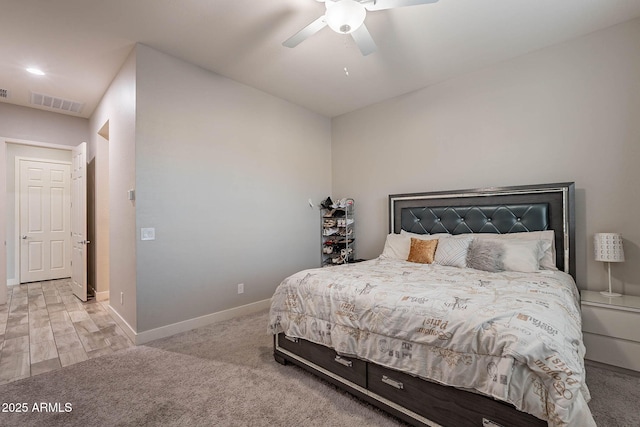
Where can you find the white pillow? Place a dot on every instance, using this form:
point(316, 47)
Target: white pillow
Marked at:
point(521, 255)
point(397, 246)
point(453, 251)
point(547, 259)
point(424, 236)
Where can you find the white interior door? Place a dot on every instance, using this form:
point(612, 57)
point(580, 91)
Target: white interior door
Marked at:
point(45, 244)
point(79, 221)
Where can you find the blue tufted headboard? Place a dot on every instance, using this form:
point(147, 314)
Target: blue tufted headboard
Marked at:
point(500, 210)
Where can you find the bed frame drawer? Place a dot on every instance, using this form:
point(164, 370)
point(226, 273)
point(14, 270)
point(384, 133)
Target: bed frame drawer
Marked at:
point(418, 396)
point(351, 369)
point(443, 405)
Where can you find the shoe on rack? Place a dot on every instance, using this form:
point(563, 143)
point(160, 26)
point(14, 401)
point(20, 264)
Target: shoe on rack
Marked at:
point(327, 203)
point(342, 203)
point(329, 213)
point(329, 231)
point(342, 241)
point(329, 223)
point(345, 232)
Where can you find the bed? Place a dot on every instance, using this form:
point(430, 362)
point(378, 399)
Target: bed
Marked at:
point(469, 317)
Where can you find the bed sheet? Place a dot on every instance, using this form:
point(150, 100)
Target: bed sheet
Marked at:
point(512, 336)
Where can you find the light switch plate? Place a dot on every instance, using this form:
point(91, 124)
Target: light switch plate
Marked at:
point(147, 234)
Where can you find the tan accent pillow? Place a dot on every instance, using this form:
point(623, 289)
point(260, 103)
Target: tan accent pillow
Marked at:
point(422, 251)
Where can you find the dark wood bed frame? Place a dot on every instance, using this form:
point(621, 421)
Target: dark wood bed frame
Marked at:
point(420, 402)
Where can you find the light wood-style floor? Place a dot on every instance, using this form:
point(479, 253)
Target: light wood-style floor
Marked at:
point(44, 327)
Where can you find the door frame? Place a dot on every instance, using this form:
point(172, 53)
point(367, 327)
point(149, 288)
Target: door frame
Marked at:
point(3, 202)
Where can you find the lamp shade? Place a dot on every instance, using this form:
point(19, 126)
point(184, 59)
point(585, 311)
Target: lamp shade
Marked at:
point(344, 16)
point(608, 247)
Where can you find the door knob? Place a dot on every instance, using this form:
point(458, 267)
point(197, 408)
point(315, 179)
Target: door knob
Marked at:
point(24, 237)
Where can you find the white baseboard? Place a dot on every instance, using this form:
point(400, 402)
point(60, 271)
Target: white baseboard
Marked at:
point(102, 296)
point(186, 325)
point(128, 330)
point(13, 282)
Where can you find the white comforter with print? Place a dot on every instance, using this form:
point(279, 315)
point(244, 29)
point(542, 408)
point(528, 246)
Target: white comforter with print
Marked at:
point(513, 336)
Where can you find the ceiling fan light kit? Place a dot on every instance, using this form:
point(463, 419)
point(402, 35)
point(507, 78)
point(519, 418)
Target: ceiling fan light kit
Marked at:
point(347, 17)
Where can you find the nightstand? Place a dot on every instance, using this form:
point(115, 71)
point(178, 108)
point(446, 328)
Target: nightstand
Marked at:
point(611, 329)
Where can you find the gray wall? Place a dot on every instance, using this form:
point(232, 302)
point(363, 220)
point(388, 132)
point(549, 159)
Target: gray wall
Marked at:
point(115, 174)
point(565, 113)
point(43, 126)
point(223, 174)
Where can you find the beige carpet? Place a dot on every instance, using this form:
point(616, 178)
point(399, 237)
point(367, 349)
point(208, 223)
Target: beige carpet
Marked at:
point(225, 375)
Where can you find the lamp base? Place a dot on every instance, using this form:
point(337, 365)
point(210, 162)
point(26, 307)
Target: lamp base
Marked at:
point(610, 294)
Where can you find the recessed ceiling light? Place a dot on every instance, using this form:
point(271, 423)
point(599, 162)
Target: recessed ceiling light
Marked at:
point(36, 71)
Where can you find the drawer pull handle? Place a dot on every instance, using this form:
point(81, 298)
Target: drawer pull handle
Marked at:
point(292, 339)
point(345, 362)
point(392, 382)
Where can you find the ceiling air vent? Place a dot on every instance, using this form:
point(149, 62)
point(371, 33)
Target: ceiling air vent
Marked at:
point(56, 103)
point(4, 93)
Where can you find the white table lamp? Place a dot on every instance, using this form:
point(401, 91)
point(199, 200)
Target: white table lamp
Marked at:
point(608, 248)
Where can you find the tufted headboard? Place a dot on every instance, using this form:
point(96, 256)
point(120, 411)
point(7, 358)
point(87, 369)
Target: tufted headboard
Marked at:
point(500, 210)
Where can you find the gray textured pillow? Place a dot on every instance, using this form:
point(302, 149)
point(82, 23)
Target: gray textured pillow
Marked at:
point(485, 255)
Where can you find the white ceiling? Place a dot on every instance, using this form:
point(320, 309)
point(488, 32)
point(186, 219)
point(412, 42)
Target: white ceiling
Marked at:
point(81, 44)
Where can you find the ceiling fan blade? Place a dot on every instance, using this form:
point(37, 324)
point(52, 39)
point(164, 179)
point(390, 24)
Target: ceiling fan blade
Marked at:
point(305, 33)
point(392, 4)
point(364, 40)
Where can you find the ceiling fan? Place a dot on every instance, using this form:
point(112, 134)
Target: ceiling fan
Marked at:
point(347, 17)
